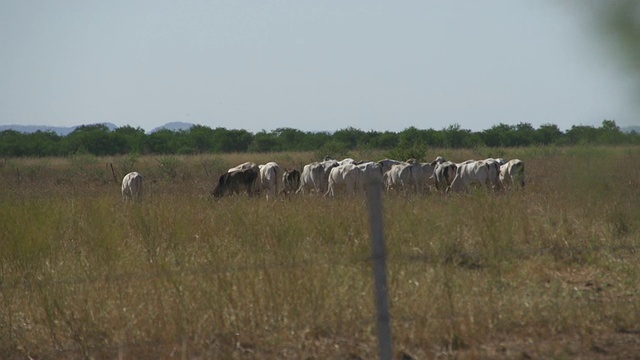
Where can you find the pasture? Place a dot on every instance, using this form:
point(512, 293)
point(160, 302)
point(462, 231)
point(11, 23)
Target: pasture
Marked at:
point(550, 272)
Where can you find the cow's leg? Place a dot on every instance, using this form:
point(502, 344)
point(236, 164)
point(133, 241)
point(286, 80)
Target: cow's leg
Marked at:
point(329, 191)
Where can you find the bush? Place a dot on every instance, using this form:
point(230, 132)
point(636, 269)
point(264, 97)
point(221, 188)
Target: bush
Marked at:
point(417, 152)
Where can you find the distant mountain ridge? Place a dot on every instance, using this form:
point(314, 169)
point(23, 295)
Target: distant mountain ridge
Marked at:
point(628, 129)
point(66, 130)
point(60, 130)
point(173, 126)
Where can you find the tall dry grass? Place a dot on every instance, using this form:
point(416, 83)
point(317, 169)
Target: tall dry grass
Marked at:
point(84, 275)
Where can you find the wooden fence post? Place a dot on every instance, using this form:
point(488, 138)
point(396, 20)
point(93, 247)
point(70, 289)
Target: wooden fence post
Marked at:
point(379, 257)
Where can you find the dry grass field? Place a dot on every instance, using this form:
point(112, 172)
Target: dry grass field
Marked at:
point(549, 273)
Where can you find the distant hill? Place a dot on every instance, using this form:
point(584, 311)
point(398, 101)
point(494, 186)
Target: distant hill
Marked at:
point(66, 130)
point(628, 129)
point(173, 126)
point(60, 130)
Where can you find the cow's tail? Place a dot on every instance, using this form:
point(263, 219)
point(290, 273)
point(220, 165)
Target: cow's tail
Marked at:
point(521, 174)
point(276, 171)
point(300, 188)
point(447, 177)
point(138, 186)
point(457, 180)
point(414, 177)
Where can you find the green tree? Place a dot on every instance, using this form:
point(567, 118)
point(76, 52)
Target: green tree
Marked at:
point(609, 133)
point(13, 143)
point(498, 136)
point(129, 139)
point(161, 142)
point(524, 135)
point(347, 138)
point(581, 135)
point(265, 142)
point(410, 137)
point(94, 139)
point(44, 143)
point(548, 134)
point(290, 139)
point(201, 138)
point(386, 140)
point(226, 141)
point(456, 137)
point(316, 140)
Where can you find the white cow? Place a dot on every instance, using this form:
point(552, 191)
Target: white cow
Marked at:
point(443, 174)
point(438, 160)
point(245, 166)
point(311, 178)
point(512, 172)
point(423, 172)
point(494, 171)
point(270, 178)
point(315, 176)
point(347, 176)
point(370, 172)
point(401, 176)
point(346, 161)
point(327, 165)
point(132, 186)
point(341, 162)
point(470, 172)
point(386, 164)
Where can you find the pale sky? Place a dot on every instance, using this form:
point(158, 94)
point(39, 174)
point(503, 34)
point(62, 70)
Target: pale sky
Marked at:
point(308, 65)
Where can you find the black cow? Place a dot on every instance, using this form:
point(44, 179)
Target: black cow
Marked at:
point(235, 182)
point(291, 180)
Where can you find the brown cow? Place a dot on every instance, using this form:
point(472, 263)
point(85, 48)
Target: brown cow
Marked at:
point(235, 182)
point(291, 180)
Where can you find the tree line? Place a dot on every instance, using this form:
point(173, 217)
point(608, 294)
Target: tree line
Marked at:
point(99, 140)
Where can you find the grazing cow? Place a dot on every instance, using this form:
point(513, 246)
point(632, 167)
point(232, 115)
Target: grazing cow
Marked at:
point(132, 186)
point(270, 178)
point(370, 172)
point(291, 180)
point(347, 176)
point(341, 162)
point(422, 172)
point(470, 172)
point(311, 178)
point(494, 171)
point(512, 172)
point(235, 182)
point(245, 166)
point(248, 166)
point(386, 164)
point(401, 176)
point(315, 176)
point(346, 161)
point(443, 174)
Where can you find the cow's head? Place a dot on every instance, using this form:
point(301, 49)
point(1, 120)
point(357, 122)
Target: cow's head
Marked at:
point(220, 188)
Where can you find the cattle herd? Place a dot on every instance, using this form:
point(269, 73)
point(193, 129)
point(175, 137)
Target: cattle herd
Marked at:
point(331, 176)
